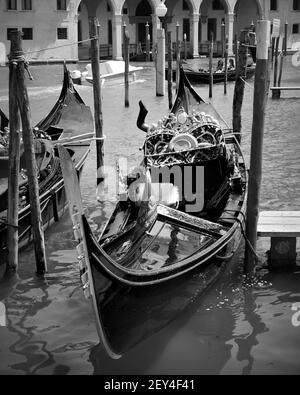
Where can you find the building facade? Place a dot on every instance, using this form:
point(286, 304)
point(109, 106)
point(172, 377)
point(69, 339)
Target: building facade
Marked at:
point(53, 28)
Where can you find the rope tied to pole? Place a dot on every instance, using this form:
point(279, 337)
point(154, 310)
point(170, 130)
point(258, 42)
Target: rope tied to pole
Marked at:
point(17, 57)
point(246, 83)
point(62, 46)
point(244, 234)
point(4, 222)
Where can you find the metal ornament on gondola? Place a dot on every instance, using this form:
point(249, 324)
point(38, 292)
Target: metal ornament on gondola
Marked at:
point(183, 138)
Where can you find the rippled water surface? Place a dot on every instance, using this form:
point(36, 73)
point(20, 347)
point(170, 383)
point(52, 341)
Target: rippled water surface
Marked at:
point(232, 328)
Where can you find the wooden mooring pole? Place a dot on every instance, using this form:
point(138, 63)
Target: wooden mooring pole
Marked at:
point(226, 70)
point(276, 61)
point(211, 72)
point(14, 156)
point(177, 56)
point(18, 59)
point(286, 25)
point(98, 116)
point(160, 63)
point(170, 70)
point(236, 50)
point(261, 89)
point(239, 86)
point(147, 43)
point(223, 34)
point(126, 58)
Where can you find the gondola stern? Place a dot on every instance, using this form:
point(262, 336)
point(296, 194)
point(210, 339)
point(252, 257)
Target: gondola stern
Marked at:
point(80, 223)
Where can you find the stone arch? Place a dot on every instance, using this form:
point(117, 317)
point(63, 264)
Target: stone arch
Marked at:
point(245, 14)
point(204, 5)
point(171, 4)
point(258, 3)
point(212, 14)
point(135, 3)
point(92, 6)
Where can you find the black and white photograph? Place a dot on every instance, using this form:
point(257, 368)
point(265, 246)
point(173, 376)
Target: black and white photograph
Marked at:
point(149, 190)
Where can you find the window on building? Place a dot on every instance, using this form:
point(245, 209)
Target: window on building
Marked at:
point(9, 30)
point(273, 5)
point(108, 7)
point(27, 33)
point(125, 11)
point(61, 5)
point(186, 28)
point(26, 5)
point(217, 5)
point(296, 5)
point(62, 33)
point(295, 29)
point(185, 5)
point(11, 4)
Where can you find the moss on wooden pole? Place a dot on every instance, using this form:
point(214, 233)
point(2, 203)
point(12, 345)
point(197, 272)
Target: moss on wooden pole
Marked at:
point(261, 89)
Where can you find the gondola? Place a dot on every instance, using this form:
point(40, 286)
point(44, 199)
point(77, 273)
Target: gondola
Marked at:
point(202, 77)
point(70, 123)
point(156, 237)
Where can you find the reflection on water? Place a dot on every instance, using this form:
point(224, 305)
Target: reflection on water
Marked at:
point(231, 328)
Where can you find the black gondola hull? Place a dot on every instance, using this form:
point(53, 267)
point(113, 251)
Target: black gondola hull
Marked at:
point(68, 118)
point(198, 77)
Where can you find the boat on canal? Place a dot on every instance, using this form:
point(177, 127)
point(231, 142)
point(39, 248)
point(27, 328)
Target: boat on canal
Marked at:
point(203, 76)
point(111, 72)
point(163, 230)
point(69, 123)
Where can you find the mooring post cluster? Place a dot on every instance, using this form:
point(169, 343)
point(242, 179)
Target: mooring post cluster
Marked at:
point(278, 55)
point(19, 106)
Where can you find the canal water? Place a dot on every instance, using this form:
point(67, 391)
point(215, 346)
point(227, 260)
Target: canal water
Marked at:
point(231, 328)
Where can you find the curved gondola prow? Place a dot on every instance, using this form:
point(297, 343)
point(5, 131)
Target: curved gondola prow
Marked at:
point(186, 95)
point(73, 193)
point(67, 90)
